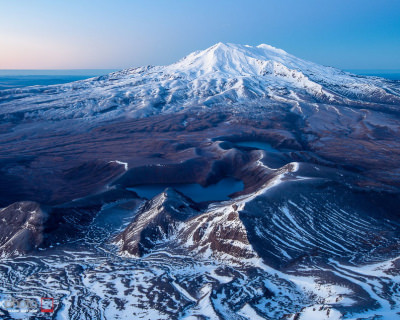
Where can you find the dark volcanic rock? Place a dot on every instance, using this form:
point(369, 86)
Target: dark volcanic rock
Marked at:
point(26, 226)
point(52, 180)
point(21, 227)
point(218, 233)
point(156, 222)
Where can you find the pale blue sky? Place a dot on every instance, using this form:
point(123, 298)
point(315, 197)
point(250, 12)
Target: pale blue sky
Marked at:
point(46, 34)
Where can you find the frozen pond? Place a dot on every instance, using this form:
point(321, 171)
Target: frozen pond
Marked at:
point(196, 192)
point(257, 144)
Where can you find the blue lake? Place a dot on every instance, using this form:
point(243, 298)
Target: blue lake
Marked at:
point(258, 145)
point(196, 192)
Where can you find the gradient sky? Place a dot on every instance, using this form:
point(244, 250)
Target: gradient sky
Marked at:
point(69, 34)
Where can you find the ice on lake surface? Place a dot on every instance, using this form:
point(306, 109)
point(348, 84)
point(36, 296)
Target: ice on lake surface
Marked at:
point(198, 193)
point(258, 145)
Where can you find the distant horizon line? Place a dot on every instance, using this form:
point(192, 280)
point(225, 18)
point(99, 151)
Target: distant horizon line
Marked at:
point(101, 69)
point(56, 72)
point(59, 69)
point(81, 74)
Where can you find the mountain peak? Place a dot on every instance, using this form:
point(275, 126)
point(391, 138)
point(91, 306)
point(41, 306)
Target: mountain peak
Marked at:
point(233, 59)
point(246, 49)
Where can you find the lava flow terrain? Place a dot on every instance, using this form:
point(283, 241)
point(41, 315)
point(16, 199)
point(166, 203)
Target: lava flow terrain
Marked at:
point(311, 232)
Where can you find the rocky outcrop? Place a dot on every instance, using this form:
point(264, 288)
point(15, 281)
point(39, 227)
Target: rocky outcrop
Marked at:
point(217, 233)
point(175, 223)
point(156, 222)
point(27, 226)
point(21, 227)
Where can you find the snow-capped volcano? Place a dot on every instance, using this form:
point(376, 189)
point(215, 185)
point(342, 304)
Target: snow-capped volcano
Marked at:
point(229, 60)
point(224, 74)
point(239, 67)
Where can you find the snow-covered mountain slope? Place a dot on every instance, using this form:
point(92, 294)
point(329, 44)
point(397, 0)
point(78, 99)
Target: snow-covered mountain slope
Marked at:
point(224, 74)
point(314, 234)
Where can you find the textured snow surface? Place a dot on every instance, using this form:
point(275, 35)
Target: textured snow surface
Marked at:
point(90, 280)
